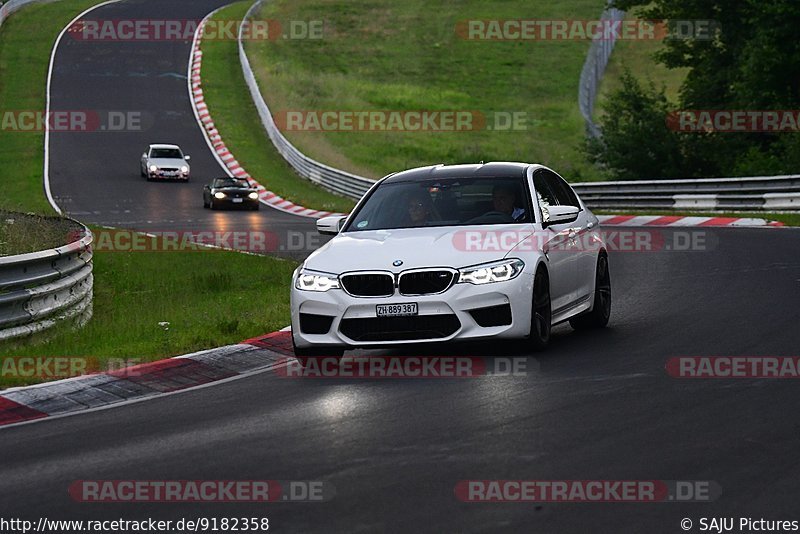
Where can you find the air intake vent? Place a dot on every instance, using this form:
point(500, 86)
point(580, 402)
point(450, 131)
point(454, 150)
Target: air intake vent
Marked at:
point(425, 282)
point(368, 284)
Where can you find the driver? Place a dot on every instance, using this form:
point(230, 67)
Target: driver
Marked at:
point(420, 209)
point(503, 200)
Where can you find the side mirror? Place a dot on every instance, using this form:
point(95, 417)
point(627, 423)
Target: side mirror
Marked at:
point(144, 155)
point(187, 158)
point(330, 225)
point(561, 215)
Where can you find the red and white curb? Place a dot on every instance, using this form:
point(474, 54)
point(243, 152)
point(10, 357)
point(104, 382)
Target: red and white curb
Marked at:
point(681, 221)
point(217, 145)
point(140, 382)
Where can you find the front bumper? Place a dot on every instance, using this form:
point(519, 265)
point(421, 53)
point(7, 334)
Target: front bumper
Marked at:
point(448, 316)
point(162, 175)
point(231, 202)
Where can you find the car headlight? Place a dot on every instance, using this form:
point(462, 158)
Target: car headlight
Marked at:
point(313, 281)
point(219, 194)
point(487, 273)
point(253, 195)
point(153, 168)
point(184, 169)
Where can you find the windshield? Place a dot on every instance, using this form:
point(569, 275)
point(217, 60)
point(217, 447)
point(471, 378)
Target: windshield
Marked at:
point(166, 153)
point(230, 182)
point(448, 202)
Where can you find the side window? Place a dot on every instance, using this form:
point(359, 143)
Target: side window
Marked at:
point(544, 194)
point(566, 196)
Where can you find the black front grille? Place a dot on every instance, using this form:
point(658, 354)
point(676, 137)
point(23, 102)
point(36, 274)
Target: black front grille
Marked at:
point(400, 328)
point(425, 282)
point(492, 315)
point(169, 169)
point(368, 285)
point(315, 324)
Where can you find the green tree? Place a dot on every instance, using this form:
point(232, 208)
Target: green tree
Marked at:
point(636, 142)
point(750, 61)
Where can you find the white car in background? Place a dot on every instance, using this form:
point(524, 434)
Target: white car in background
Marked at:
point(460, 252)
point(165, 162)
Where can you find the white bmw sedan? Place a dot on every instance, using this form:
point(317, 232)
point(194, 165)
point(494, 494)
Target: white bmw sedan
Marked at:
point(453, 252)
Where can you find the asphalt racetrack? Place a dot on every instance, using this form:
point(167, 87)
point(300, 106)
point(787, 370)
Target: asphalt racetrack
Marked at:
point(94, 175)
point(595, 405)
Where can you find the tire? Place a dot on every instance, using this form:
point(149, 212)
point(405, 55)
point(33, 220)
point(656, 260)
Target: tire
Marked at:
point(601, 308)
point(541, 311)
point(205, 204)
point(256, 207)
point(211, 204)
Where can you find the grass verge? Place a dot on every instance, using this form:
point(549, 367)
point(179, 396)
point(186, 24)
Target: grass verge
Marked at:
point(237, 120)
point(21, 233)
point(408, 56)
point(209, 298)
point(26, 40)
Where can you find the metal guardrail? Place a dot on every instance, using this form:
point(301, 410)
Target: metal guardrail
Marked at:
point(39, 289)
point(749, 193)
point(593, 69)
point(338, 181)
point(752, 193)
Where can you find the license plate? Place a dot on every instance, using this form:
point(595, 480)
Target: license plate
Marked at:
point(170, 173)
point(397, 310)
point(237, 200)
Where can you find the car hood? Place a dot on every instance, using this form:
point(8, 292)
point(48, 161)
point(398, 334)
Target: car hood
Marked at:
point(234, 189)
point(417, 247)
point(162, 162)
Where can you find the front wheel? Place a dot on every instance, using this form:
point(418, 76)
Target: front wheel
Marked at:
point(601, 310)
point(541, 316)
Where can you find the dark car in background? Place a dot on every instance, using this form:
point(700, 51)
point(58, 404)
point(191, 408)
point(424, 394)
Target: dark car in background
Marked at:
point(230, 192)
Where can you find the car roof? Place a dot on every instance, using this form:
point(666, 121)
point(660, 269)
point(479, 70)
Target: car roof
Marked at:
point(160, 145)
point(500, 169)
